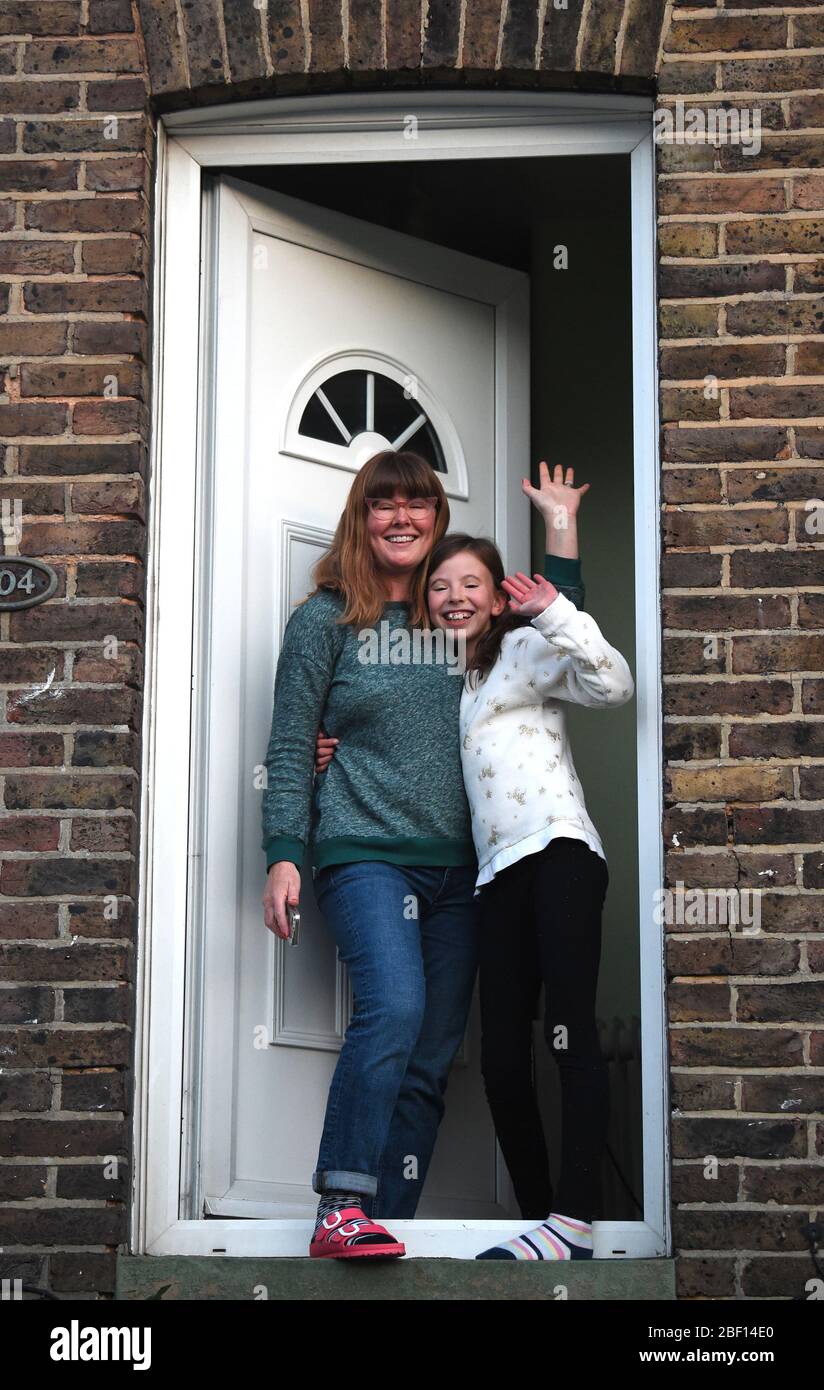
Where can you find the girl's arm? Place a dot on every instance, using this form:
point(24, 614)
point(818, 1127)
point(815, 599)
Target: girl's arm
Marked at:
point(558, 500)
point(579, 664)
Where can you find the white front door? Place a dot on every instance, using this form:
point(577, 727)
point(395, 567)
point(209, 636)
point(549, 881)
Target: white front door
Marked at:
point(334, 338)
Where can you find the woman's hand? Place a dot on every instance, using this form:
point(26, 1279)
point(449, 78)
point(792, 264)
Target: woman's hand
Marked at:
point(324, 750)
point(529, 596)
point(554, 493)
point(282, 887)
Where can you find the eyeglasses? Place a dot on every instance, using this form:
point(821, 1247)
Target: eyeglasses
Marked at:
point(387, 511)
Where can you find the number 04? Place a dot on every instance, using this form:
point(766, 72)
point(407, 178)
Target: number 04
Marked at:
point(9, 581)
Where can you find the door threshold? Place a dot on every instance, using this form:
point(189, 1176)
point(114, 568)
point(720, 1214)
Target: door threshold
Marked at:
point(172, 1278)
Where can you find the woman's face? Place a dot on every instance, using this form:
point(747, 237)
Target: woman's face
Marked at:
point(402, 541)
point(462, 596)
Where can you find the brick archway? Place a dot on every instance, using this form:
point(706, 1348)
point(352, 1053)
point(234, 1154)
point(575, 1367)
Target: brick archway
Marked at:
point(205, 50)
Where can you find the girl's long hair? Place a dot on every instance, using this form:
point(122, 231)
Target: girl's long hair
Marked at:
point(348, 567)
point(488, 648)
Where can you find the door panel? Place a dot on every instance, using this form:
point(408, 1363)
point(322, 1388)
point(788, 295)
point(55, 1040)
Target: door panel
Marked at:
point(334, 339)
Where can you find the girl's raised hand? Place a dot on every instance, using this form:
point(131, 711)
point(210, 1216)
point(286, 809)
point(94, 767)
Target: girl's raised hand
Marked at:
point(554, 492)
point(529, 596)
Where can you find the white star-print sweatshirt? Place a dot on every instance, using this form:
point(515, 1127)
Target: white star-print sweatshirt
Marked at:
point(517, 762)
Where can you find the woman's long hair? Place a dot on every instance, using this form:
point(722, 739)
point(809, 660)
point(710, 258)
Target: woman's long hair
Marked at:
point(488, 648)
point(348, 567)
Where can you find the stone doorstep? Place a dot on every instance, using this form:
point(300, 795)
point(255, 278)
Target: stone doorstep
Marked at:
point(214, 1277)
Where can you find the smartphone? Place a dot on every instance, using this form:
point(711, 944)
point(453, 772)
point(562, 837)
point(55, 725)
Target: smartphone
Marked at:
point(293, 917)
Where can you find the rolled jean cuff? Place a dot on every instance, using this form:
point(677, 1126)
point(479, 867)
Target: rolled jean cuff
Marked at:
point(337, 1179)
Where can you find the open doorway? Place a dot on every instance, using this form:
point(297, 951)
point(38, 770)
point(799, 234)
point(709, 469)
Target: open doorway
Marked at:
point(564, 226)
point(563, 246)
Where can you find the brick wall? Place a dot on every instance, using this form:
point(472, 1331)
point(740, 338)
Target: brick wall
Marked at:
point(741, 284)
point(742, 295)
point(74, 227)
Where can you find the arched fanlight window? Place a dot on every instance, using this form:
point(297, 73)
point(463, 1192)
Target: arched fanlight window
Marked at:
point(356, 403)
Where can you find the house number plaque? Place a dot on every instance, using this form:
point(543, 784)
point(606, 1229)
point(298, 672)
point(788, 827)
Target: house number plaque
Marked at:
point(25, 582)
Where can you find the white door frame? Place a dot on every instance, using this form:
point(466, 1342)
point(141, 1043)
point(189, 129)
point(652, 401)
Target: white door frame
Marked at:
point(361, 128)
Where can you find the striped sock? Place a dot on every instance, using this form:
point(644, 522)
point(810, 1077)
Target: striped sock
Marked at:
point(335, 1200)
point(557, 1238)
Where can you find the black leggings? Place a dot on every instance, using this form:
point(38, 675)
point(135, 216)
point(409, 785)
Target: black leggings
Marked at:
point(541, 923)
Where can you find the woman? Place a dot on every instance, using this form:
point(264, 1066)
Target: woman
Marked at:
point(391, 843)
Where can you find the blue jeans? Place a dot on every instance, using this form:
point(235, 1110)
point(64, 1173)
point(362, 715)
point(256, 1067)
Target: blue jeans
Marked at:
point(409, 936)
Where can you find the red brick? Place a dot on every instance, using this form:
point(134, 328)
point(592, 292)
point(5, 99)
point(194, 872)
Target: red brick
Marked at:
point(38, 98)
point(791, 402)
point(98, 339)
point(92, 666)
point(775, 235)
point(774, 74)
point(86, 296)
point(92, 792)
point(35, 17)
point(110, 17)
point(38, 499)
point(87, 214)
point(74, 459)
point(66, 961)
point(104, 834)
point(68, 1047)
point(114, 579)
point(63, 705)
point(29, 833)
point(40, 749)
point(24, 920)
point(119, 256)
point(80, 379)
point(35, 257)
point(32, 418)
point(808, 192)
point(83, 55)
point(125, 173)
point(106, 417)
point(88, 622)
point(726, 32)
point(80, 537)
point(720, 195)
point(126, 94)
point(33, 339)
point(726, 526)
point(109, 497)
point(33, 175)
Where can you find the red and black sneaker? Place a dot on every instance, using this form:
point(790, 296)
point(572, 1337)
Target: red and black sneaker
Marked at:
point(349, 1232)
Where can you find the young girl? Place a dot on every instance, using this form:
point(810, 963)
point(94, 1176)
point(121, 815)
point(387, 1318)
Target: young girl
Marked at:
point(542, 870)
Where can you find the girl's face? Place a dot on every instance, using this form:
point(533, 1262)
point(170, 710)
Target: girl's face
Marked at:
point(462, 596)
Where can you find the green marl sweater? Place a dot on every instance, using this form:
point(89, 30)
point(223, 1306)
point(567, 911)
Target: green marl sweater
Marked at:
point(394, 788)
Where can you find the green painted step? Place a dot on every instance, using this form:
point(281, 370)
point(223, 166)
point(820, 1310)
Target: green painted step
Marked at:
point(221, 1277)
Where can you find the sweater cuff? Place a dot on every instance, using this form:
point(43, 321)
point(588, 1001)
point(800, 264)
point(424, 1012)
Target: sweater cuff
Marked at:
point(554, 616)
point(562, 571)
point(284, 847)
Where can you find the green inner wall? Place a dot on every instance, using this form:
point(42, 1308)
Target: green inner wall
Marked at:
point(582, 416)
